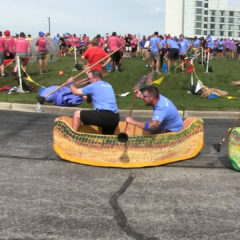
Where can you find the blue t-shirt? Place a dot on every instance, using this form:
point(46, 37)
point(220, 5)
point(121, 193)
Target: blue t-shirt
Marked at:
point(103, 96)
point(163, 43)
point(183, 46)
point(220, 44)
point(172, 43)
point(154, 44)
point(210, 43)
point(197, 43)
point(166, 113)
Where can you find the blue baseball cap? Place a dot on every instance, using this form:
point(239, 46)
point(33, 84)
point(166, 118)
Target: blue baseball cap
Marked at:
point(41, 34)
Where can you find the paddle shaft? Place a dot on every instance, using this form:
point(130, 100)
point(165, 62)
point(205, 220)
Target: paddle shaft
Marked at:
point(130, 112)
point(228, 133)
point(85, 70)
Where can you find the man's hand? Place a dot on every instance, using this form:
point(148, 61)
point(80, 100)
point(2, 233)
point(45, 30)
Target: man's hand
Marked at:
point(138, 94)
point(71, 79)
point(130, 120)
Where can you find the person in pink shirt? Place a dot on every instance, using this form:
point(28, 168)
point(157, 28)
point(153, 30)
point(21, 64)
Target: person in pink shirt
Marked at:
point(113, 44)
point(22, 48)
point(9, 45)
point(42, 52)
point(2, 55)
point(101, 41)
point(134, 45)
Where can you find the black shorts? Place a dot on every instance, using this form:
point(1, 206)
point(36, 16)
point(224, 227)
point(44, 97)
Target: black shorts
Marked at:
point(173, 54)
point(116, 57)
point(42, 54)
point(105, 119)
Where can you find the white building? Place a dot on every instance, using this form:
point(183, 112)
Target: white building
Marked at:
point(202, 17)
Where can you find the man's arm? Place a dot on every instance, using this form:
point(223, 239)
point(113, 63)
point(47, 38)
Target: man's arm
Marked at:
point(152, 126)
point(75, 91)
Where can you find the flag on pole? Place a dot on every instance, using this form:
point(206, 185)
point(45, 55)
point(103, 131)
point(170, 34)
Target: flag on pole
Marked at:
point(158, 81)
point(190, 69)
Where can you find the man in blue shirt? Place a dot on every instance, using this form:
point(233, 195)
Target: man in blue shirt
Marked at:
point(105, 113)
point(184, 45)
point(165, 115)
point(173, 51)
point(155, 55)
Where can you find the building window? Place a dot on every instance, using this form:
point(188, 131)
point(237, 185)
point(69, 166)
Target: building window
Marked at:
point(239, 34)
point(206, 5)
point(205, 26)
point(198, 11)
point(205, 32)
point(222, 13)
point(221, 33)
point(230, 34)
point(199, 4)
point(231, 27)
point(212, 33)
point(212, 26)
point(212, 19)
point(198, 32)
point(213, 12)
point(222, 20)
point(198, 24)
point(205, 19)
point(205, 12)
point(231, 13)
point(221, 26)
point(231, 20)
point(198, 18)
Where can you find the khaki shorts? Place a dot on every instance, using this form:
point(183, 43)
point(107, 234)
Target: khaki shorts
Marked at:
point(146, 54)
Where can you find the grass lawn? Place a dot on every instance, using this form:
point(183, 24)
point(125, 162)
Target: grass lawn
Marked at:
point(174, 85)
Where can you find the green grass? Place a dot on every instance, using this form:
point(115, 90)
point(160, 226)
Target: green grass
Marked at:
point(174, 85)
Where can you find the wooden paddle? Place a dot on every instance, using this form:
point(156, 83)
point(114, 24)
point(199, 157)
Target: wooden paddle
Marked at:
point(122, 136)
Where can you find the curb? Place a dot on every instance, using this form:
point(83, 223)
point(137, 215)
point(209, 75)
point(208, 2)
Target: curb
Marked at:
point(137, 113)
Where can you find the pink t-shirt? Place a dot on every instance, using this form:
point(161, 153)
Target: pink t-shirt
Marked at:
point(9, 44)
point(76, 41)
point(2, 44)
point(41, 43)
point(21, 45)
point(101, 43)
point(113, 43)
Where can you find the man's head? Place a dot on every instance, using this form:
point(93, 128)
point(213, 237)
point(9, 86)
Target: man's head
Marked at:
point(7, 33)
point(156, 33)
point(94, 75)
point(150, 95)
point(181, 37)
point(94, 42)
point(22, 35)
point(41, 34)
point(114, 34)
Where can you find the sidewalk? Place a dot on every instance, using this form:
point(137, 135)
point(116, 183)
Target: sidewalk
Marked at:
point(137, 113)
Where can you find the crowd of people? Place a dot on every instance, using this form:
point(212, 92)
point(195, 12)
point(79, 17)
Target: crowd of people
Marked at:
point(155, 49)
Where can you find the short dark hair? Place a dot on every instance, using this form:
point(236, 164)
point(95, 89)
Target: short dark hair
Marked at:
point(156, 33)
point(96, 73)
point(22, 34)
point(153, 91)
point(114, 34)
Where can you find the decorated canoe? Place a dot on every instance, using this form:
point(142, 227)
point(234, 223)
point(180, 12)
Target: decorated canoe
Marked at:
point(89, 146)
point(234, 148)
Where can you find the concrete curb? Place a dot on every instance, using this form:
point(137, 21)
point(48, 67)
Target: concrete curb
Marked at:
point(138, 113)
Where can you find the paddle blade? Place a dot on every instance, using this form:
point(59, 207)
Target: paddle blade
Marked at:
point(217, 147)
point(122, 137)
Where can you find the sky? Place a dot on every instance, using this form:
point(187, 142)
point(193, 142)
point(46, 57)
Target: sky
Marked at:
point(140, 17)
point(82, 16)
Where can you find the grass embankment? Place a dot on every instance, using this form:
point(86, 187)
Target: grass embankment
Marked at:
point(174, 85)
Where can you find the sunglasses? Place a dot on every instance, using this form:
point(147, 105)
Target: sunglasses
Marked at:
point(147, 95)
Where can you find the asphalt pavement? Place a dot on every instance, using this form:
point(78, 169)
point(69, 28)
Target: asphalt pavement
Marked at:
point(45, 198)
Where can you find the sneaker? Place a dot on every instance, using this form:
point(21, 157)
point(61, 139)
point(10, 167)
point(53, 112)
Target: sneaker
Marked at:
point(147, 66)
point(41, 73)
